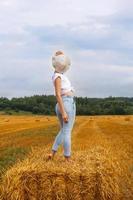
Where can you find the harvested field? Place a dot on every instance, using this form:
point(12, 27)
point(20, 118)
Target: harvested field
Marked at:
point(101, 167)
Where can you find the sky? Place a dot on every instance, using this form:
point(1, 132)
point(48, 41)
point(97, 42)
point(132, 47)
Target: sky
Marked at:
point(97, 36)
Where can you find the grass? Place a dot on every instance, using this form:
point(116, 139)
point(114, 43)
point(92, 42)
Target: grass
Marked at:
point(15, 144)
point(9, 156)
point(12, 112)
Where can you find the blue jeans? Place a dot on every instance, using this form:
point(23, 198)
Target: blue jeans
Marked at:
point(64, 135)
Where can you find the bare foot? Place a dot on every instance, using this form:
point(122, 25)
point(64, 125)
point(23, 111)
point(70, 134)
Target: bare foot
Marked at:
point(67, 158)
point(49, 157)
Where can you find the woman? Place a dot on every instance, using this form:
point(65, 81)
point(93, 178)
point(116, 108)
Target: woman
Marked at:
point(65, 107)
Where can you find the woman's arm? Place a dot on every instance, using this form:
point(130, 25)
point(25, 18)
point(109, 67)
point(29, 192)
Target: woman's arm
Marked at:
point(59, 99)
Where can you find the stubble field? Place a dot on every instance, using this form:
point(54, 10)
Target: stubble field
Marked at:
point(101, 166)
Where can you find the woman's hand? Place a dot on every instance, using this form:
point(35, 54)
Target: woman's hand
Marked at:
point(65, 117)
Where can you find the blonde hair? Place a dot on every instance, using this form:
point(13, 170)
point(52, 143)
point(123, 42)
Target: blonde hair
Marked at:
point(58, 53)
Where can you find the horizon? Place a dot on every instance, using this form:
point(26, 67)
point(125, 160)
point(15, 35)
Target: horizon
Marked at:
point(10, 98)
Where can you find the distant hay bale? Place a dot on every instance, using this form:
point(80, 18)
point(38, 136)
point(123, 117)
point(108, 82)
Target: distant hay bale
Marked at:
point(37, 120)
point(87, 177)
point(7, 120)
point(127, 118)
point(48, 118)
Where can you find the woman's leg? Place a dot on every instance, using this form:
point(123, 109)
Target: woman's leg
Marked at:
point(70, 107)
point(59, 137)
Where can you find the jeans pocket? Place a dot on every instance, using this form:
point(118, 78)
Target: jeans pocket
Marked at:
point(68, 106)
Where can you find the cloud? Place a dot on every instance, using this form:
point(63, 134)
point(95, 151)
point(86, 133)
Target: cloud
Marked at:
point(99, 40)
point(99, 80)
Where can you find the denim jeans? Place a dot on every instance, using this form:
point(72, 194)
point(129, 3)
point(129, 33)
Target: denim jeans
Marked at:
point(64, 135)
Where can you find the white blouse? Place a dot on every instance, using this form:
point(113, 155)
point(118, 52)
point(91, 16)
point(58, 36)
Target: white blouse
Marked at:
point(65, 83)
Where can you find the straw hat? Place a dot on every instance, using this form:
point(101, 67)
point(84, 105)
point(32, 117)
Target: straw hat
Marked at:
point(60, 62)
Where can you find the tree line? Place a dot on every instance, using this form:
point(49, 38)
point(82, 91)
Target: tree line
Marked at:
point(45, 105)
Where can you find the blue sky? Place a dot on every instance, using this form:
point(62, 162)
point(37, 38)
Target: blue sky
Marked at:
point(97, 36)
